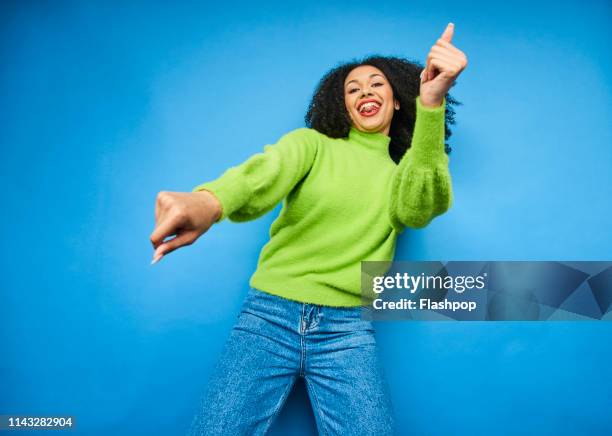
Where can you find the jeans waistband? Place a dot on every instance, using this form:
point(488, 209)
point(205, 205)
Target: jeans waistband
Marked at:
point(305, 315)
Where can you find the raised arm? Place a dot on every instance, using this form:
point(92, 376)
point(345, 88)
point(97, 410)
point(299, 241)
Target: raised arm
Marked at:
point(421, 188)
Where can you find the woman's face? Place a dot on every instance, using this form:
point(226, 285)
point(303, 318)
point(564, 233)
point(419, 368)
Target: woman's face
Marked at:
point(369, 99)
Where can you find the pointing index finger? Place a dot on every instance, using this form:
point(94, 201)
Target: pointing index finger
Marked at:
point(448, 32)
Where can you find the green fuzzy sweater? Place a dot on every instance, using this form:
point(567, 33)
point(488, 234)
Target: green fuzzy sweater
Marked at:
point(344, 201)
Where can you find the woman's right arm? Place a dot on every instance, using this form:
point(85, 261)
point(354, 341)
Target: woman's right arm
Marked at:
point(255, 187)
point(241, 193)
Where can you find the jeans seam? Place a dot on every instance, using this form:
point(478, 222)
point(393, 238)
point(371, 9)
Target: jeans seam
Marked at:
point(302, 344)
point(318, 413)
point(302, 355)
point(281, 401)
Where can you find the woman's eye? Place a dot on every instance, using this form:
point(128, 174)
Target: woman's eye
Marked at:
point(352, 90)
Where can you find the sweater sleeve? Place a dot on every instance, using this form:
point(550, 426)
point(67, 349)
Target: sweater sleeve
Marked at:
point(421, 187)
point(253, 188)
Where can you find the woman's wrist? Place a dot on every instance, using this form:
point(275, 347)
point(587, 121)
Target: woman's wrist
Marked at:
point(431, 102)
point(212, 202)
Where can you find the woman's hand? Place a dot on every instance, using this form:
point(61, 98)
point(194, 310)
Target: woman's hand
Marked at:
point(444, 63)
point(184, 214)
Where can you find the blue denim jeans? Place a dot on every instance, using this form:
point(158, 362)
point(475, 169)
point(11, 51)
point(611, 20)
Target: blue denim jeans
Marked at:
point(275, 341)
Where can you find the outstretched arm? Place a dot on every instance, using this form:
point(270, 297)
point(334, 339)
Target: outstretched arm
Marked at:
point(241, 193)
point(254, 187)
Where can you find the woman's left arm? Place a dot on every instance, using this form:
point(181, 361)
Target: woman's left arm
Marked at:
point(421, 188)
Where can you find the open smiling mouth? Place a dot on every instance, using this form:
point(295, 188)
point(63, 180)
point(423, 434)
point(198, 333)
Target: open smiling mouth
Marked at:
point(369, 109)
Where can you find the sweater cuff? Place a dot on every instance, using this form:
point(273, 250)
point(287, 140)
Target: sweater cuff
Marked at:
point(428, 136)
point(228, 189)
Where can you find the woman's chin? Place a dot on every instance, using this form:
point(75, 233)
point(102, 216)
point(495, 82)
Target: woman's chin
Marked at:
point(370, 127)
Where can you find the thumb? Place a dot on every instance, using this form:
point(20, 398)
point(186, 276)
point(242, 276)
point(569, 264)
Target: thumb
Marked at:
point(448, 32)
point(185, 238)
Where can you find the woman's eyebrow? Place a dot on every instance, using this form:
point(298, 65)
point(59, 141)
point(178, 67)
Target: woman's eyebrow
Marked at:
point(371, 75)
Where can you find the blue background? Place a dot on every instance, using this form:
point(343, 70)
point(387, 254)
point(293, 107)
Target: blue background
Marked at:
point(105, 105)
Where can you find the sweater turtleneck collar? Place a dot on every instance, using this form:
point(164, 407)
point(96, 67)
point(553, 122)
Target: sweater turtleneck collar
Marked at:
point(376, 141)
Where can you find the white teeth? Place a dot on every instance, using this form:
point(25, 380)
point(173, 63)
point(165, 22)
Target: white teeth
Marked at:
point(368, 105)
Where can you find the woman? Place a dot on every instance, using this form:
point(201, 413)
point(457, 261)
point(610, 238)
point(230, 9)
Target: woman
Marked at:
point(371, 162)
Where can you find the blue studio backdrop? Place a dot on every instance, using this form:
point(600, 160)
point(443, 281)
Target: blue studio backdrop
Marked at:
point(104, 105)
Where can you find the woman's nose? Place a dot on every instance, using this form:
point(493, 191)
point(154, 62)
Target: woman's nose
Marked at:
point(366, 91)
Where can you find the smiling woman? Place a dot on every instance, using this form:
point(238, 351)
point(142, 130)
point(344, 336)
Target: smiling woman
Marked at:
point(391, 83)
point(370, 162)
point(374, 112)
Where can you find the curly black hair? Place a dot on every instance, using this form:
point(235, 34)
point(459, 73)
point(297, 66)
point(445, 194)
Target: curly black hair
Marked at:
point(327, 112)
